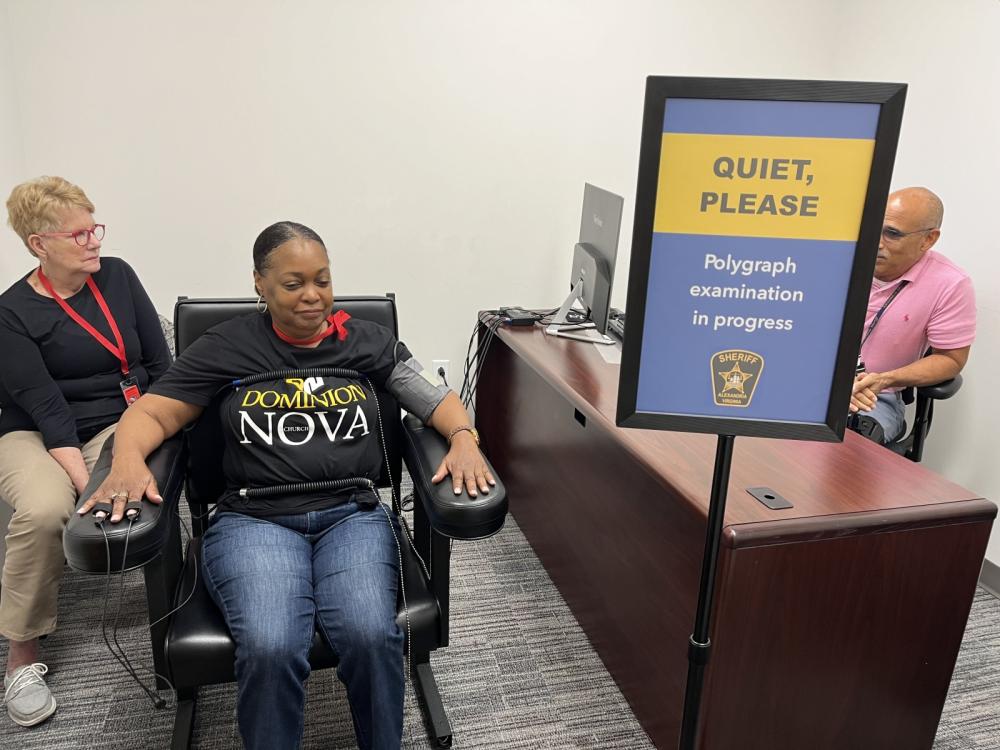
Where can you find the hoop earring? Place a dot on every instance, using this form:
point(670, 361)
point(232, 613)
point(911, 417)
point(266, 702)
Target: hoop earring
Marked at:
point(261, 305)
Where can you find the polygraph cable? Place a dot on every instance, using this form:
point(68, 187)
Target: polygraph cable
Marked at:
point(157, 701)
point(481, 352)
point(468, 375)
point(194, 587)
point(491, 323)
point(465, 367)
point(399, 547)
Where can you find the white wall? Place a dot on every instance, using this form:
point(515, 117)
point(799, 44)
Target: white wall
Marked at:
point(948, 54)
point(11, 172)
point(11, 155)
point(441, 148)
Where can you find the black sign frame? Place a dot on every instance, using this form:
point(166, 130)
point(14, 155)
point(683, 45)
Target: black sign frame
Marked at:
point(891, 97)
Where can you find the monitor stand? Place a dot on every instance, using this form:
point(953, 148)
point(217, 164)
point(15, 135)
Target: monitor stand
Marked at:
point(559, 327)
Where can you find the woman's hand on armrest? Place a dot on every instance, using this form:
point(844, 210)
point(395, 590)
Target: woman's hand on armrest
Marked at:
point(467, 467)
point(463, 461)
point(129, 479)
point(142, 429)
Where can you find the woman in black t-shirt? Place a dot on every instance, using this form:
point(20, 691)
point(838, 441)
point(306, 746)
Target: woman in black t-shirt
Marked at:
point(279, 566)
point(61, 393)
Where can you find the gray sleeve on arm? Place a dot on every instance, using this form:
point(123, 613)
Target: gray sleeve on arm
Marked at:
point(415, 392)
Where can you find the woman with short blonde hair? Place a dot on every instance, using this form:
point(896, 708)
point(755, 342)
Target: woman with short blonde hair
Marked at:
point(36, 207)
point(81, 341)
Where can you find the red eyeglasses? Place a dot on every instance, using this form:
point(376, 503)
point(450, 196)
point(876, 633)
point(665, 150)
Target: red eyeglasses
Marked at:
point(80, 236)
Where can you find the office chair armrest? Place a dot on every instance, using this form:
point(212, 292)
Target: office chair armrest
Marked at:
point(455, 516)
point(83, 540)
point(943, 390)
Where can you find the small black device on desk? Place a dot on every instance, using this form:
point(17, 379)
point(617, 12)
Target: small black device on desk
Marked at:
point(518, 316)
point(616, 323)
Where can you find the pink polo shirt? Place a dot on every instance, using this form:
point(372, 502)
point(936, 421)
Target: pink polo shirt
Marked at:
point(936, 308)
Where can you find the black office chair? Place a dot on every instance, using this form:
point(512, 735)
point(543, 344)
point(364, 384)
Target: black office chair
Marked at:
point(192, 647)
point(912, 445)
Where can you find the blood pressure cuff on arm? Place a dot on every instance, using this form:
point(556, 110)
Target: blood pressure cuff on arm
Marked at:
point(414, 387)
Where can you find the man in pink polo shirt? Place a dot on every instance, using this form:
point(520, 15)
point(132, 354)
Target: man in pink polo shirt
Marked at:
point(918, 299)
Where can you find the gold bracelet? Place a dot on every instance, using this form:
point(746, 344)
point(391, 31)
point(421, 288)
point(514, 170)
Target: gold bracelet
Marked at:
point(464, 428)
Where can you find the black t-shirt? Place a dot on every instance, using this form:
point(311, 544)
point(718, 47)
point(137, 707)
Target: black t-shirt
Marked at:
point(286, 430)
point(55, 377)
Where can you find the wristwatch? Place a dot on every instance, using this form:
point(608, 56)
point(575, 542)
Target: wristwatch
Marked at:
point(464, 428)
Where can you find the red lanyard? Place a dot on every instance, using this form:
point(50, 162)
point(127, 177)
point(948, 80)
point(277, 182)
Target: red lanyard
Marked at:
point(118, 351)
point(336, 321)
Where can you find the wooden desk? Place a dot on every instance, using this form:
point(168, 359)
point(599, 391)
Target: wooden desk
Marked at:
point(837, 622)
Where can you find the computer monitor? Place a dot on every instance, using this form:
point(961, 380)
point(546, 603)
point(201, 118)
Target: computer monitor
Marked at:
point(593, 267)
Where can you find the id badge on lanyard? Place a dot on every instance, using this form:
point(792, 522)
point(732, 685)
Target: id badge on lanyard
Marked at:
point(130, 390)
point(128, 384)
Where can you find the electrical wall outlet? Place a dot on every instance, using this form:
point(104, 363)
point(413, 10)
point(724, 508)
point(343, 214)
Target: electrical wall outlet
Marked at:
point(442, 364)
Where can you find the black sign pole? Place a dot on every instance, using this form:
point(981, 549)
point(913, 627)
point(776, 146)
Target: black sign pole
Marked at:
point(700, 644)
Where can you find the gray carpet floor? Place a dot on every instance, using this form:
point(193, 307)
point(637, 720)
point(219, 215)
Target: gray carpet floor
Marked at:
point(519, 673)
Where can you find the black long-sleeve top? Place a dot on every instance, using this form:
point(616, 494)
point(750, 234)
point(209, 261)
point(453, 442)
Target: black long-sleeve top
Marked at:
point(54, 376)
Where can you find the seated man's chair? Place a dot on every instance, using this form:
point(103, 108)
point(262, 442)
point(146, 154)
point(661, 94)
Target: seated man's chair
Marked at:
point(912, 445)
point(192, 647)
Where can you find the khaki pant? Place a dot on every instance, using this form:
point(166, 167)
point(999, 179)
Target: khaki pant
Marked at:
point(43, 497)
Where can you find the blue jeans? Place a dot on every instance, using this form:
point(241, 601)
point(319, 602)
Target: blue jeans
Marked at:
point(276, 580)
point(890, 412)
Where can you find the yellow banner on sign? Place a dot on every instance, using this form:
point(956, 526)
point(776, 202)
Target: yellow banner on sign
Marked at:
point(762, 186)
